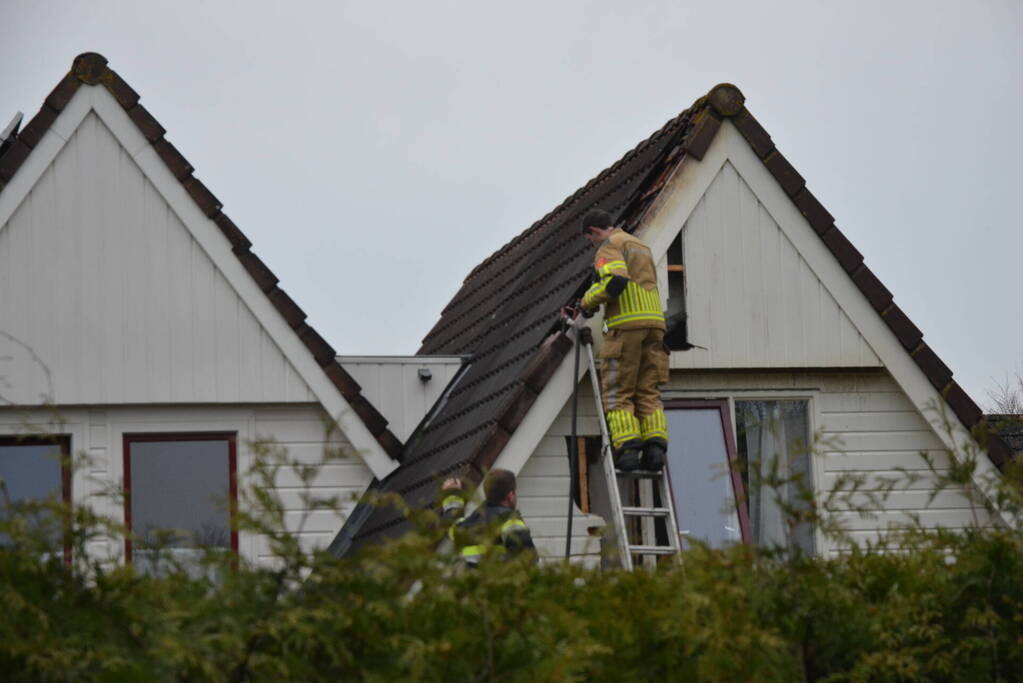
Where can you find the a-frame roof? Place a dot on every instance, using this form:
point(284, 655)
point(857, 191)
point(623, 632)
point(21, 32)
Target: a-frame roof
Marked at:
point(506, 313)
point(90, 69)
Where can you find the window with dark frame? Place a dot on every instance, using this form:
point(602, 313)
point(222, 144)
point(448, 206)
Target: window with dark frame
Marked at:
point(180, 498)
point(35, 469)
point(703, 468)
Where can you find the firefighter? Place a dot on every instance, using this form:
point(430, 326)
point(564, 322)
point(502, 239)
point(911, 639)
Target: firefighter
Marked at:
point(496, 528)
point(633, 357)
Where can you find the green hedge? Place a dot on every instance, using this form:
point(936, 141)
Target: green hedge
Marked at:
point(403, 613)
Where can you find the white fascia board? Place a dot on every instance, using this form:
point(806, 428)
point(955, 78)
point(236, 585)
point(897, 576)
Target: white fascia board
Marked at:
point(212, 241)
point(910, 378)
point(547, 407)
point(43, 154)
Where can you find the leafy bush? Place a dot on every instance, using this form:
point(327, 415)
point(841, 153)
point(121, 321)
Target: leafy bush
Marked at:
point(947, 606)
point(404, 613)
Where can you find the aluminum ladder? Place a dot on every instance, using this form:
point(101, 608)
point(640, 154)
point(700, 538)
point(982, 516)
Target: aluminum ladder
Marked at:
point(641, 485)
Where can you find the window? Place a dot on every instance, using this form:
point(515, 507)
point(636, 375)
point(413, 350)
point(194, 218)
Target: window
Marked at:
point(773, 439)
point(33, 470)
point(180, 493)
point(704, 471)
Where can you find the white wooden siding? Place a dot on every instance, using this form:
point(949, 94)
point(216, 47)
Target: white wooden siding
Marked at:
point(752, 300)
point(392, 385)
point(300, 429)
point(867, 429)
point(105, 297)
point(543, 491)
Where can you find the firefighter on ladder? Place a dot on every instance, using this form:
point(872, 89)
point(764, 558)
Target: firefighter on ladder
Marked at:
point(633, 357)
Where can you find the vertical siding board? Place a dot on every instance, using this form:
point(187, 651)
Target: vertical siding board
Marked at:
point(225, 336)
point(19, 374)
point(249, 350)
point(45, 264)
point(204, 338)
point(156, 370)
point(721, 229)
point(128, 204)
point(273, 364)
point(751, 276)
point(698, 305)
point(179, 252)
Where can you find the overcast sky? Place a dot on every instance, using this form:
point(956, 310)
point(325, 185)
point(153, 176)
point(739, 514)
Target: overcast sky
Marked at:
point(374, 152)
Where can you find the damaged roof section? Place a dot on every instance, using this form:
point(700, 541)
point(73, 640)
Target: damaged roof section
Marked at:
point(505, 317)
point(91, 69)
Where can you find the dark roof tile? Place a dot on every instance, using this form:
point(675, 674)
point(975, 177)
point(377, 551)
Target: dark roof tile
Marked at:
point(176, 163)
point(122, 92)
point(754, 133)
point(877, 294)
point(704, 129)
point(32, 133)
point(787, 176)
point(842, 249)
point(909, 335)
point(820, 220)
point(147, 125)
point(937, 372)
point(201, 195)
point(968, 412)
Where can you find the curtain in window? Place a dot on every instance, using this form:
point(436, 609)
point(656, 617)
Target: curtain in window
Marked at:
point(773, 437)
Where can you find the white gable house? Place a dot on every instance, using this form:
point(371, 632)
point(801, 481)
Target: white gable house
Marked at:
point(141, 335)
point(786, 352)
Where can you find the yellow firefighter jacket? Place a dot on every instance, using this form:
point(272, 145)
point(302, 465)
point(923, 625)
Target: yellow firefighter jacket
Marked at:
point(626, 282)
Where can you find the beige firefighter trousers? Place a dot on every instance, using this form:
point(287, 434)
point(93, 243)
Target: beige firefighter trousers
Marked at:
point(633, 363)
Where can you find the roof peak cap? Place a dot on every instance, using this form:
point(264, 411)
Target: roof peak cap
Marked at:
point(89, 67)
point(726, 99)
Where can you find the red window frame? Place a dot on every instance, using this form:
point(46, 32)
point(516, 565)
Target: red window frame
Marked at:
point(738, 489)
point(64, 442)
point(232, 464)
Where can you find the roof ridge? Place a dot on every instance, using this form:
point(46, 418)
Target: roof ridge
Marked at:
point(90, 68)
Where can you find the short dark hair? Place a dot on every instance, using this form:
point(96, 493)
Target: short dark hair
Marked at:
point(596, 218)
point(498, 485)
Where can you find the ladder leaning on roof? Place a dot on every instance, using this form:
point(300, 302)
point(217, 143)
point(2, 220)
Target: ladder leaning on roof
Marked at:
point(640, 486)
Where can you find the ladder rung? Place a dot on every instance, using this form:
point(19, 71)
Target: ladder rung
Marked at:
point(639, 474)
point(652, 550)
point(645, 512)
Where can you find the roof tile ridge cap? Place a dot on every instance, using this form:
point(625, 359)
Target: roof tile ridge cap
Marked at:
point(92, 68)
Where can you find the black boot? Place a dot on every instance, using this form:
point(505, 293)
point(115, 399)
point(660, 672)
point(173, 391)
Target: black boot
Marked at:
point(653, 456)
point(628, 457)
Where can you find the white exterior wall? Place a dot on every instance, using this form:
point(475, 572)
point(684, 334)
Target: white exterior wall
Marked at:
point(543, 489)
point(866, 426)
point(302, 429)
point(392, 385)
point(106, 298)
point(752, 300)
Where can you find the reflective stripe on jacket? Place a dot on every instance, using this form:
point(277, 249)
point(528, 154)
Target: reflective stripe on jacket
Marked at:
point(493, 529)
point(626, 282)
